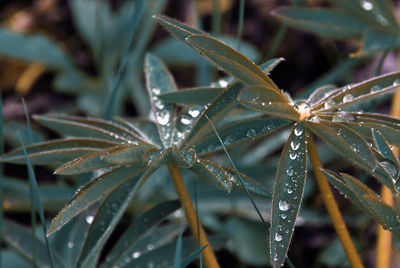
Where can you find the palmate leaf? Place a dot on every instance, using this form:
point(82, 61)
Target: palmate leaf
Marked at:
point(96, 189)
point(107, 217)
point(20, 239)
point(366, 199)
point(137, 230)
point(288, 193)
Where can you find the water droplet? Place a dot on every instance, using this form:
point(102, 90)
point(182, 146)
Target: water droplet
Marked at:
point(222, 83)
point(289, 172)
point(396, 82)
point(194, 112)
point(375, 88)
point(314, 119)
point(298, 131)
point(343, 116)
point(295, 145)
point(156, 90)
point(251, 133)
point(289, 191)
point(348, 97)
point(382, 20)
point(302, 107)
point(391, 168)
point(284, 205)
point(228, 140)
point(163, 117)
point(278, 237)
point(283, 216)
point(366, 5)
point(150, 247)
point(185, 121)
point(329, 104)
point(70, 244)
point(89, 219)
point(136, 255)
point(293, 156)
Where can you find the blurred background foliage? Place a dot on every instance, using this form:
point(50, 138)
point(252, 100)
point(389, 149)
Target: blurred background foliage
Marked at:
point(63, 56)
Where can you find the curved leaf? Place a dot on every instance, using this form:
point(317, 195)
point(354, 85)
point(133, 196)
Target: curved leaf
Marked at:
point(288, 193)
point(126, 155)
point(57, 152)
point(197, 95)
point(232, 61)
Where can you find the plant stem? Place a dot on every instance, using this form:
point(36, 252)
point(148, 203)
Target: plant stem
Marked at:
point(332, 207)
point(209, 258)
point(384, 244)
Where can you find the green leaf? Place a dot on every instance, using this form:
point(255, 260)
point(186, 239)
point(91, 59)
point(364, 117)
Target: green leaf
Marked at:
point(96, 189)
point(57, 152)
point(375, 42)
point(20, 239)
point(107, 218)
point(138, 229)
point(288, 193)
point(232, 61)
point(346, 142)
point(197, 95)
point(329, 22)
point(33, 48)
point(148, 128)
point(178, 249)
point(87, 128)
point(213, 174)
point(383, 146)
point(351, 94)
point(159, 80)
point(127, 155)
point(239, 131)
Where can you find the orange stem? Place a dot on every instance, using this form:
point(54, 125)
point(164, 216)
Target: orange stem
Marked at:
point(332, 207)
point(210, 261)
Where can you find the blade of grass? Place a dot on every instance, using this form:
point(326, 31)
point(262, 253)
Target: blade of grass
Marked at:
point(1, 175)
point(32, 180)
point(192, 257)
point(178, 249)
point(240, 27)
point(137, 14)
point(31, 195)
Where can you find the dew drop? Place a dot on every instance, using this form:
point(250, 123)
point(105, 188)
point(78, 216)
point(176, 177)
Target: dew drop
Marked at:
point(278, 237)
point(343, 116)
point(289, 172)
point(136, 255)
point(298, 131)
point(294, 145)
point(375, 88)
point(289, 191)
point(222, 83)
point(348, 97)
point(156, 90)
point(228, 140)
point(150, 247)
point(314, 119)
point(293, 156)
point(391, 168)
point(329, 104)
point(284, 205)
point(185, 121)
point(251, 133)
point(70, 244)
point(283, 216)
point(366, 5)
point(382, 20)
point(89, 219)
point(163, 117)
point(194, 112)
point(396, 82)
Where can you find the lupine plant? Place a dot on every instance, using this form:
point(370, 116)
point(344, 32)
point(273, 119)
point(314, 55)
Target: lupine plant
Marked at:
point(186, 137)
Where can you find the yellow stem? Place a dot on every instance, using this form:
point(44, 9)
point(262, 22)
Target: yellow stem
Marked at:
point(332, 207)
point(210, 261)
point(384, 244)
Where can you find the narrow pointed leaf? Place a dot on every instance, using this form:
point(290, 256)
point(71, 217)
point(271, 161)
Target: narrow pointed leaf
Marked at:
point(288, 193)
point(85, 163)
point(189, 259)
point(328, 22)
point(96, 189)
point(232, 61)
point(138, 229)
point(376, 41)
point(20, 239)
point(198, 95)
point(383, 146)
point(239, 131)
point(345, 141)
point(159, 80)
point(57, 152)
point(125, 155)
point(79, 127)
point(176, 28)
point(178, 249)
point(365, 90)
point(213, 174)
point(108, 216)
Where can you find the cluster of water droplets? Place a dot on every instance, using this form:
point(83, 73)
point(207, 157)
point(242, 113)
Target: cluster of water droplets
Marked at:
point(343, 116)
point(186, 122)
point(369, 6)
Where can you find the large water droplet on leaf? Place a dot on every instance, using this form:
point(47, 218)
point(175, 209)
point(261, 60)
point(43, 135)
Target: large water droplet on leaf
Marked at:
point(396, 82)
point(278, 237)
point(366, 5)
point(329, 104)
point(163, 118)
point(348, 97)
point(193, 111)
point(375, 88)
point(283, 205)
point(298, 131)
point(136, 254)
point(295, 145)
point(89, 219)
